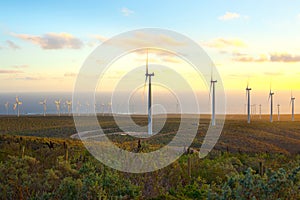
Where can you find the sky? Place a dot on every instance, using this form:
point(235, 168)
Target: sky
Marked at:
point(44, 44)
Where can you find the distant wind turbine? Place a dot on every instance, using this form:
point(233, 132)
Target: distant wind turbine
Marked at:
point(6, 107)
point(44, 103)
point(69, 104)
point(149, 97)
point(213, 100)
point(259, 111)
point(109, 107)
point(103, 107)
point(248, 102)
point(271, 104)
point(57, 103)
point(87, 107)
point(17, 105)
point(278, 112)
point(293, 106)
point(78, 108)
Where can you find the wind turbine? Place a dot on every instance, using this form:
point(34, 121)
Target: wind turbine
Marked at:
point(213, 100)
point(248, 102)
point(271, 105)
point(44, 103)
point(293, 106)
point(17, 105)
point(6, 107)
point(103, 106)
point(57, 103)
point(109, 111)
point(278, 112)
point(87, 107)
point(69, 104)
point(259, 111)
point(78, 107)
point(149, 97)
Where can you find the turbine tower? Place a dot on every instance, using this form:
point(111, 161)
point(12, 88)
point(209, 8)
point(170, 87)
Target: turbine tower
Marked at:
point(213, 100)
point(293, 106)
point(6, 107)
point(44, 103)
point(57, 103)
point(278, 112)
point(69, 104)
point(149, 97)
point(248, 103)
point(271, 105)
point(17, 106)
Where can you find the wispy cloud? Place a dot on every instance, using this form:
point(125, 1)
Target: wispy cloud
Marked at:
point(127, 12)
point(101, 38)
point(274, 73)
point(52, 40)
point(70, 74)
point(247, 58)
point(12, 45)
point(272, 57)
point(20, 66)
point(229, 16)
point(220, 43)
point(96, 40)
point(146, 39)
point(4, 71)
point(284, 57)
point(30, 78)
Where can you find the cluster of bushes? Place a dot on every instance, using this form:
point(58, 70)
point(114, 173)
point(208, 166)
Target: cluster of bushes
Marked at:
point(68, 171)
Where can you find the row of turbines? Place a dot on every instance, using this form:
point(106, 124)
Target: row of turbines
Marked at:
point(271, 100)
point(148, 78)
point(58, 103)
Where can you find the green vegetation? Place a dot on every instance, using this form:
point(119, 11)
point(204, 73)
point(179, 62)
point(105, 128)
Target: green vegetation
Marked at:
point(256, 164)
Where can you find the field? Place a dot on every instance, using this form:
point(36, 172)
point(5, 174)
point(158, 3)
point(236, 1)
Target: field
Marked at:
point(39, 160)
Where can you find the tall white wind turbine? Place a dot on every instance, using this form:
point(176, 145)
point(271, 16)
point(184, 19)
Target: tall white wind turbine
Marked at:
point(213, 100)
point(6, 107)
point(44, 103)
point(271, 104)
point(248, 103)
point(57, 103)
point(149, 97)
point(293, 106)
point(17, 105)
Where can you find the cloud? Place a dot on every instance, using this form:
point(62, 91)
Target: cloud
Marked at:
point(4, 71)
point(142, 38)
point(220, 43)
point(272, 57)
point(229, 16)
point(12, 45)
point(126, 12)
point(274, 73)
point(29, 78)
point(284, 57)
point(70, 74)
point(246, 58)
point(101, 38)
point(53, 40)
point(20, 66)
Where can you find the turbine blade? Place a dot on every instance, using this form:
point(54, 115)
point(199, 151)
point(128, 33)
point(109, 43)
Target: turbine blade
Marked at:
point(147, 65)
